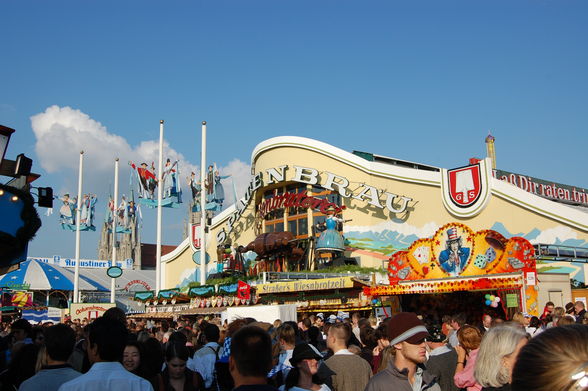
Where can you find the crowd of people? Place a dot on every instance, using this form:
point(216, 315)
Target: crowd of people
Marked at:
point(319, 353)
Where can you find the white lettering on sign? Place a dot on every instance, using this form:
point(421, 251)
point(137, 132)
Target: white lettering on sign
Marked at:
point(87, 263)
point(365, 193)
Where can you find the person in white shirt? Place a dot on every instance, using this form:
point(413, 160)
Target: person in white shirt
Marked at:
point(205, 358)
point(106, 343)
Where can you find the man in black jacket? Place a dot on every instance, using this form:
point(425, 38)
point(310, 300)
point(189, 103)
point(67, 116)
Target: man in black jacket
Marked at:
point(442, 359)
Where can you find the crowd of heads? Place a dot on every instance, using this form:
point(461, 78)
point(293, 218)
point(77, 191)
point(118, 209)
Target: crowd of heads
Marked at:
point(539, 353)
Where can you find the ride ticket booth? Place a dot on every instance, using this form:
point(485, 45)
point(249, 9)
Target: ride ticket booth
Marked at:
point(461, 270)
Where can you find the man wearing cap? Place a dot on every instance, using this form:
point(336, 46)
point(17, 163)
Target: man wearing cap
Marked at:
point(406, 372)
point(442, 359)
point(352, 372)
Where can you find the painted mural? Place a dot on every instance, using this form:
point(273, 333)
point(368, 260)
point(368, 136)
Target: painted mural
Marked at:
point(388, 237)
point(558, 235)
point(456, 258)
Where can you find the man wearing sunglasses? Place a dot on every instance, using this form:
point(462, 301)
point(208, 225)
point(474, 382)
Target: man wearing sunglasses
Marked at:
point(406, 371)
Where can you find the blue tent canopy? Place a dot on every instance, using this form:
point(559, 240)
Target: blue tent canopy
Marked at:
point(42, 276)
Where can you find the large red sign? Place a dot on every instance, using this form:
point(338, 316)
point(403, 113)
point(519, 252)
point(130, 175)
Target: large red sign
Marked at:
point(243, 290)
point(465, 185)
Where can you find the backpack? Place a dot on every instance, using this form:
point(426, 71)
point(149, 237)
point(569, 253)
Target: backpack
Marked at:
point(214, 386)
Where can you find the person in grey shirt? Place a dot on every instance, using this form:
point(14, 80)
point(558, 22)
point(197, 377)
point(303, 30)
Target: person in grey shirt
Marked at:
point(442, 359)
point(59, 344)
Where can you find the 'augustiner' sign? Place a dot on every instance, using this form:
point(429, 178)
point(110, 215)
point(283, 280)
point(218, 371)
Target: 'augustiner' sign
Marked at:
point(369, 194)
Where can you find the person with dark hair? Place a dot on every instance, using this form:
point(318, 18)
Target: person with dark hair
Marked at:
point(38, 336)
point(79, 358)
point(132, 357)
point(303, 327)
point(548, 310)
point(286, 335)
point(301, 377)
point(152, 360)
point(369, 341)
point(316, 339)
point(21, 331)
point(59, 344)
point(116, 314)
point(383, 342)
point(486, 323)
point(251, 359)
point(534, 327)
point(579, 310)
point(176, 376)
point(205, 358)
point(457, 321)
point(351, 372)
point(107, 339)
point(569, 308)
point(21, 368)
point(556, 359)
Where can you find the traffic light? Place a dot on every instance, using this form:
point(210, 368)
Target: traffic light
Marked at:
point(45, 197)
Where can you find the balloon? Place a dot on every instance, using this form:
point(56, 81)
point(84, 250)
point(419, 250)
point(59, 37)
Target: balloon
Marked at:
point(497, 299)
point(487, 296)
point(494, 304)
point(488, 302)
point(492, 297)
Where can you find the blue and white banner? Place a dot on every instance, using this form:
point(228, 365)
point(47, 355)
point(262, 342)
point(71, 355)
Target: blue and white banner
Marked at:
point(87, 263)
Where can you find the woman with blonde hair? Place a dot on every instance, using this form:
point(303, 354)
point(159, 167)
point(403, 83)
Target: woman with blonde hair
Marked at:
point(469, 338)
point(498, 353)
point(555, 360)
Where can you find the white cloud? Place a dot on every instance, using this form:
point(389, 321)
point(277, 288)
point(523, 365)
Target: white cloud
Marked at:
point(62, 132)
point(426, 231)
point(240, 173)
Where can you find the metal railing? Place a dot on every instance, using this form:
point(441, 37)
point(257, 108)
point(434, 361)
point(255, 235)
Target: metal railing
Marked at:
point(556, 252)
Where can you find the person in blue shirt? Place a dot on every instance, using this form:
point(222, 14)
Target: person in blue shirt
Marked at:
point(205, 358)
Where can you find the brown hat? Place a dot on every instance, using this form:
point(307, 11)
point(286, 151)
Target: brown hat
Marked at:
point(406, 326)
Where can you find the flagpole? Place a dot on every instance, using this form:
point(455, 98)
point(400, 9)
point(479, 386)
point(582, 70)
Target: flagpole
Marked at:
point(76, 298)
point(114, 217)
point(203, 207)
point(159, 210)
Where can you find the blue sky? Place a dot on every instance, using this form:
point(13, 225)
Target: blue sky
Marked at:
point(421, 81)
